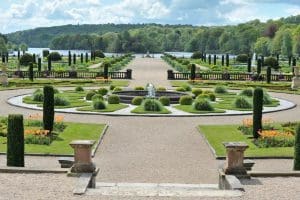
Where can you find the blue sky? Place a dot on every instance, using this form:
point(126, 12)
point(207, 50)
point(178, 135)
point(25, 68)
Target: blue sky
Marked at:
point(25, 14)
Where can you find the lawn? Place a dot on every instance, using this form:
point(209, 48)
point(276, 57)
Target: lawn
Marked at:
point(190, 109)
point(74, 131)
point(216, 134)
point(140, 110)
point(109, 108)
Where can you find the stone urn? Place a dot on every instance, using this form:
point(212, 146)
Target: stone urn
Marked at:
point(296, 78)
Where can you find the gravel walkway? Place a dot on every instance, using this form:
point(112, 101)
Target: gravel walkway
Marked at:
point(145, 149)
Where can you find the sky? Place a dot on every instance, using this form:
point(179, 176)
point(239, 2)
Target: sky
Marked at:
point(27, 14)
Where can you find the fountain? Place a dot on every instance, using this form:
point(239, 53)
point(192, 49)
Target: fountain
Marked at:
point(151, 90)
point(253, 60)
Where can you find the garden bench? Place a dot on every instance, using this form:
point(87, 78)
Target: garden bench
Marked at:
point(66, 162)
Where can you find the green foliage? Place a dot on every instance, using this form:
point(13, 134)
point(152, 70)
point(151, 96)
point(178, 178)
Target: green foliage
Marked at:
point(55, 56)
point(112, 87)
point(102, 91)
point(297, 148)
point(271, 142)
point(26, 59)
point(152, 105)
point(31, 75)
point(247, 92)
point(139, 88)
point(97, 97)
point(164, 100)
point(243, 58)
point(38, 96)
point(161, 89)
point(48, 108)
point(180, 89)
point(99, 105)
point(61, 101)
point(186, 100)
point(46, 53)
point(137, 101)
point(187, 87)
point(15, 141)
point(197, 55)
point(99, 54)
point(113, 99)
point(89, 95)
point(79, 89)
point(257, 111)
point(220, 90)
point(117, 89)
point(271, 62)
point(202, 105)
point(242, 102)
point(267, 100)
point(197, 91)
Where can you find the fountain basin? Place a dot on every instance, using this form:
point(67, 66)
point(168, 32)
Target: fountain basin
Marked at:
point(128, 95)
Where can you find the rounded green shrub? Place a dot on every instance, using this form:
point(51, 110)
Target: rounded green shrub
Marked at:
point(180, 89)
point(89, 95)
point(212, 96)
point(139, 88)
point(137, 101)
point(247, 92)
point(242, 102)
point(117, 89)
point(113, 99)
point(26, 59)
point(196, 91)
point(196, 55)
point(102, 91)
point(97, 97)
point(56, 91)
point(164, 100)
point(207, 92)
point(60, 101)
point(99, 104)
point(152, 105)
point(187, 87)
point(99, 54)
point(38, 96)
point(203, 96)
point(220, 90)
point(79, 89)
point(202, 105)
point(55, 56)
point(243, 58)
point(161, 89)
point(112, 87)
point(186, 100)
point(267, 100)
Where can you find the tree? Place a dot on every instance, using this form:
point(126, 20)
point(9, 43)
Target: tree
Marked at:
point(261, 46)
point(271, 62)
point(23, 47)
point(3, 48)
point(26, 59)
point(286, 48)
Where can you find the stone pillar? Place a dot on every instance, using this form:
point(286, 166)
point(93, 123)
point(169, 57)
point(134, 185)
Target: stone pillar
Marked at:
point(235, 158)
point(83, 156)
point(296, 78)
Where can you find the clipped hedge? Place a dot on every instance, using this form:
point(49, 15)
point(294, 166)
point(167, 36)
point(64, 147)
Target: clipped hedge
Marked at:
point(103, 91)
point(113, 99)
point(202, 105)
point(89, 95)
point(79, 89)
point(137, 101)
point(197, 91)
point(242, 102)
point(164, 100)
point(99, 104)
point(152, 105)
point(48, 108)
point(186, 100)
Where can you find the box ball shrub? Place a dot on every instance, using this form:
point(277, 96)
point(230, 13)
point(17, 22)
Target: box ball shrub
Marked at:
point(196, 91)
point(152, 105)
point(180, 89)
point(79, 89)
point(164, 100)
point(26, 59)
point(55, 56)
point(97, 97)
point(297, 148)
point(38, 96)
point(196, 55)
point(161, 89)
point(99, 104)
point(56, 91)
point(186, 100)
point(61, 101)
point(212, 97)
point(242, 102)
point(15, 141)
point(112, 87)
point(117, 89)
point(137, 101)
point(89, 95)
point(243, 58)
point(220, 90)
point(113, 99)
point(247, 92)
point(139, 88)
point(202, 105)
point(267, 100)
point(99, 54)
point(103, 91)
point(187, 87)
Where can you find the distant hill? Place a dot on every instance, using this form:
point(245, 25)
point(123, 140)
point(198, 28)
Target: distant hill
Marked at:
point(42, 37)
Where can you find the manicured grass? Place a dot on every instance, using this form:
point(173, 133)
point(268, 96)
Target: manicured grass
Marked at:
point(216, 134)
point(140, 110)
point(74, 131)
point(37, 83)
point(190, 109)
point(109, 108)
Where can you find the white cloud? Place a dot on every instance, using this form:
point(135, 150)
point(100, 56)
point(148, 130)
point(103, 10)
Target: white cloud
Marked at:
point(293, 11)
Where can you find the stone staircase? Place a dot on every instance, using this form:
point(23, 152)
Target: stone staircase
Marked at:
point(160, 190)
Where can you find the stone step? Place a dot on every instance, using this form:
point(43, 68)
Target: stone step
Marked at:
point(160, 190)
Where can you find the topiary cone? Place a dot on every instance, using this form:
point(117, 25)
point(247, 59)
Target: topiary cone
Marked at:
point(48, 108)
point(297, 148)
point(258, 98)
